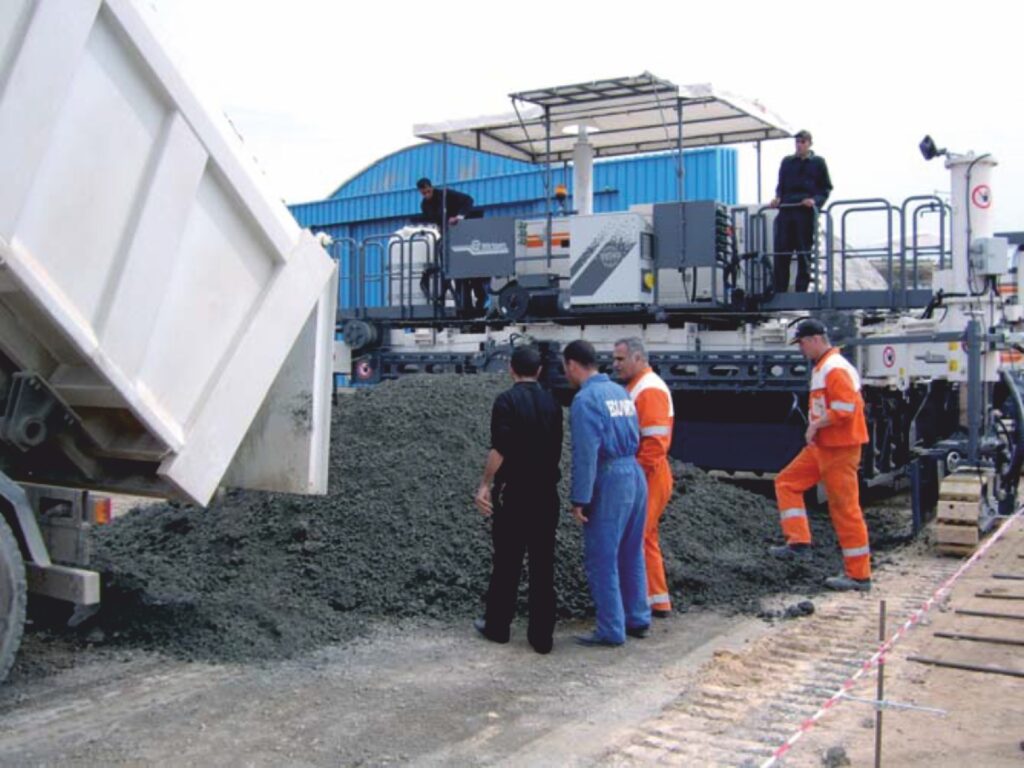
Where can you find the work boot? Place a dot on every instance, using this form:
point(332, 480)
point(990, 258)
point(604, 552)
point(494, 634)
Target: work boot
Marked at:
point(790, 552)
point(480, 625)
point(540, 643)
point(638, 632)
point(594, 641)
point(844, 583)
point(661, 613)
point(542, 647)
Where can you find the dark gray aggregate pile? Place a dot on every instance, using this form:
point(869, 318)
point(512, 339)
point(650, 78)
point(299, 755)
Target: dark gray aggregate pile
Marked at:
point(260, 575)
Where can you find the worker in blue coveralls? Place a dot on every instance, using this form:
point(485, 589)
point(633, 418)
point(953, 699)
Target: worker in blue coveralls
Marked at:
point(609, 498)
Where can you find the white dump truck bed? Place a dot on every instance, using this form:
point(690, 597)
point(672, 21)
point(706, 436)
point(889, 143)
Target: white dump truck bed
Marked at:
point(167, 304)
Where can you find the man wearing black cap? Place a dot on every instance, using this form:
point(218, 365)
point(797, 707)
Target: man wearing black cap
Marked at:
point(804, 186)
point(836, 430)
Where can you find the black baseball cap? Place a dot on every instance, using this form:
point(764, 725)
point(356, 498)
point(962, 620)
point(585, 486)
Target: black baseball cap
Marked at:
point(808, 327)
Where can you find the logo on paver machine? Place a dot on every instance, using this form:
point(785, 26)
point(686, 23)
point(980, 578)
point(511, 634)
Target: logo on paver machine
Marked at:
point(480, 248)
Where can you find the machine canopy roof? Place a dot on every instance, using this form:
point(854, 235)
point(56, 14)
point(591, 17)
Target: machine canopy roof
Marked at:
point(623, 116)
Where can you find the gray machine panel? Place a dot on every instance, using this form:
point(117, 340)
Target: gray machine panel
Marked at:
point(610, 260)
point(685, 234)
point(482, 248)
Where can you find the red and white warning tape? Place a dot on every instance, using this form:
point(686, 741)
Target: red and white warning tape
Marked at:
point(885, 647)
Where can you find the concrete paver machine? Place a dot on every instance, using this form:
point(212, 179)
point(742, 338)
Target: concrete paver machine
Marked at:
point(931, 317)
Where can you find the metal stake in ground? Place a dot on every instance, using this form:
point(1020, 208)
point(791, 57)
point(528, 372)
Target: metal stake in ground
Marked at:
point(880, 694)
point(967, 667)
point(978, 638)
point(994, 596)
point(989, 614)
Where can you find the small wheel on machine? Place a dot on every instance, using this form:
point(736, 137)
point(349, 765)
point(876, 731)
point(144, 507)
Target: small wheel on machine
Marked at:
point(359, 334)
point(952, 462)
point(513, 301)
point(13, 598)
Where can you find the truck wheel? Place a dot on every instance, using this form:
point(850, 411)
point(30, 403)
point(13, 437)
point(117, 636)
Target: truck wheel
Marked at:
point(12, 598)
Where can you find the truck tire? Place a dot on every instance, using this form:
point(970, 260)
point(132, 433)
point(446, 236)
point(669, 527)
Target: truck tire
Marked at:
point(12, 598)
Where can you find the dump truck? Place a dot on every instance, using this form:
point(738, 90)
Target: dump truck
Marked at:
point(166, 328)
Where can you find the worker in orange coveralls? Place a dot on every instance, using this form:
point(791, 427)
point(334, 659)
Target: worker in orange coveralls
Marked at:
point(654, 408)
point(835, 433)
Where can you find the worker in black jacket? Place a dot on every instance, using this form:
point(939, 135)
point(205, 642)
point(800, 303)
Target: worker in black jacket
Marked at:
point(438, 206)
point(435, 202)
point(804, 186)
point(519, 491)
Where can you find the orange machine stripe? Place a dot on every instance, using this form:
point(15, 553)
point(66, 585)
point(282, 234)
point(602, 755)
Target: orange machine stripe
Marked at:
point(533, 241)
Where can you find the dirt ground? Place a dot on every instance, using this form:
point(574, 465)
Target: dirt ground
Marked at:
point(427, 694)
point(983, 722)
point(739, 704)
point(704, 689)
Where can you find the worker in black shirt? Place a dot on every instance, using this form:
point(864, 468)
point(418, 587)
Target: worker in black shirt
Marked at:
point(803, 188)
point(436, 202)
point(522, 467)
point(438, 206)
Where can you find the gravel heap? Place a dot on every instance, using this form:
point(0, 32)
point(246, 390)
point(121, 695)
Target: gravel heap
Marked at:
point(259, 575)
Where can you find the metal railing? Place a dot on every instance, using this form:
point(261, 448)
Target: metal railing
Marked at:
point(924, 205)
point(901, 253)
point(381, 272)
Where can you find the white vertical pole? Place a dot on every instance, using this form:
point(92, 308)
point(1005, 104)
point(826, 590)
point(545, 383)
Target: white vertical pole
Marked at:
point(583, 174)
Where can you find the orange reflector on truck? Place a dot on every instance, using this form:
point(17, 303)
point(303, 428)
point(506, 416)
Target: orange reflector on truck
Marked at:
point(101, 509)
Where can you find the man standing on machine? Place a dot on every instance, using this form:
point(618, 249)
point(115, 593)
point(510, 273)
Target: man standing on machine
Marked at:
point(804, 186)
point(451, 206)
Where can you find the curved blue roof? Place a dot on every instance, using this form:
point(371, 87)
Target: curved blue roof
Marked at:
point(401, 169)
point(386, 190)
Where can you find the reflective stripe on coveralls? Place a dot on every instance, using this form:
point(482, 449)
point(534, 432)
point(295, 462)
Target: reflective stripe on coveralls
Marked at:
point(655, 431)
point(835, 387)
point(656, 413)
point(607, 481)
point(833, 459)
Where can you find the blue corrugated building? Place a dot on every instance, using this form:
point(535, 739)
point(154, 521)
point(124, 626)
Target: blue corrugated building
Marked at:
point(381, 198)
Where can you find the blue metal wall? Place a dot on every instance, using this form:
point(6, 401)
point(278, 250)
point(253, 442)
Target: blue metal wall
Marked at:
point(380, 199)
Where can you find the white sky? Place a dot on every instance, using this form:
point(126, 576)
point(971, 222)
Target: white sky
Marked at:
point(319, 89)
